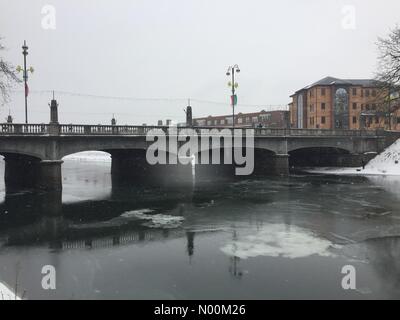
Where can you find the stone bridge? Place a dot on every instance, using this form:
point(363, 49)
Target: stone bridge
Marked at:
point(33, 153)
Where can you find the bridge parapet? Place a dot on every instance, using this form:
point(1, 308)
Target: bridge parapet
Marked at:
point(74, 129)
point(24, 129)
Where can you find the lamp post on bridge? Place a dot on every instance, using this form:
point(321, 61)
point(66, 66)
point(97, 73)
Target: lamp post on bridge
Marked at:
point(231, 72)
point(25, 77)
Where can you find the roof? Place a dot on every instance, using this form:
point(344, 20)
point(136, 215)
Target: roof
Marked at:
point(241, 115)
point(328, 81)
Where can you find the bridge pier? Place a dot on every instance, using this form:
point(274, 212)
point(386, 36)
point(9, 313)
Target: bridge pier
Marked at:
point(50, 175)
point(25, 172)
point(281, 164)
point(267, 163)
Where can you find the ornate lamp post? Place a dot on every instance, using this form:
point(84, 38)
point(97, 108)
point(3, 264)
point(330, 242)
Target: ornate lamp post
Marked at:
point(231, 72)
point(25, 77)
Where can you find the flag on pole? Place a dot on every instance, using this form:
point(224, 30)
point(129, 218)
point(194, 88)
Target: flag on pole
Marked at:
point(234, 100)
point(26, 89)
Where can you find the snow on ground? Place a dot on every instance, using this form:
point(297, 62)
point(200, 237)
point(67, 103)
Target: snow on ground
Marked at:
point(386, 163)
point(7, 294)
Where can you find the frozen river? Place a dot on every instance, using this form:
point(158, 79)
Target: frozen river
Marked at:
point(276, 238)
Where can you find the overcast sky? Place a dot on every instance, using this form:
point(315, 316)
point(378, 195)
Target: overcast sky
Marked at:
point(167, 51)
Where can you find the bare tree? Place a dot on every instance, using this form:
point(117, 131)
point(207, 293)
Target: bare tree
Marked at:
point(7, 77)
point(388, 74)
point(389, 58)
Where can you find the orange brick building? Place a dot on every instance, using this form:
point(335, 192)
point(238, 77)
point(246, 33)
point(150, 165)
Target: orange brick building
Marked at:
point(332, 103)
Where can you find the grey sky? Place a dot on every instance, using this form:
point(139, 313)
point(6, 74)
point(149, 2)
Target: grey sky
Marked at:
point(180, 49)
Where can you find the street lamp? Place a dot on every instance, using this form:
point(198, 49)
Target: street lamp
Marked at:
point(25, 77)
point(233, 85)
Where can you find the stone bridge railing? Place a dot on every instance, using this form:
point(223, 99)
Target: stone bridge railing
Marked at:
point(82, 130)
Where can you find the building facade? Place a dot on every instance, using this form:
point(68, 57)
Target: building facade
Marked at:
point(267, 119)
point(333, 103)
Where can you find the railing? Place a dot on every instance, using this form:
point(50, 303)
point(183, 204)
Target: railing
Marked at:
point(24, 129)
point(73, 130)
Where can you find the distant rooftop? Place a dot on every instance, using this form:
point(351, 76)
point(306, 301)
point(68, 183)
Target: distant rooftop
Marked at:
point(240, 114)
point(328, 81)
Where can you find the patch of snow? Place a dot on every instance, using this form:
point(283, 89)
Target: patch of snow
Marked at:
point(6, 293)
point(279, 240)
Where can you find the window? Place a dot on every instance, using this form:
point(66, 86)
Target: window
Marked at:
point(311, 108)
point(398, 119)
point(247, 119)
point(254, 119)
point(376, 120)
point(323, 105)
point(311, 93)
point(240, 120)
point(222, 121)
point(374, 106)
point(367, 106)
point(367, 93)
point(209, 122)
point(354, 120)
point(354, 106)
point(374, 93)
point(354, 91)
point(323, 120)
point(341, 109)
point(322, 91)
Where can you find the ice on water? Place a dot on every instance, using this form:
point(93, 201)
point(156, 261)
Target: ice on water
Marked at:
point(279, 240)
point(154, 220)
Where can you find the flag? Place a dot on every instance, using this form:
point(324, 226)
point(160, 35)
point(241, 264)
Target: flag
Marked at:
point(234, 100)
point(26, 89)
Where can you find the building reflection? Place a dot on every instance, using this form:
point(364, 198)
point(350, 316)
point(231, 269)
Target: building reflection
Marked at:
point(190, 244)
point(234, 268)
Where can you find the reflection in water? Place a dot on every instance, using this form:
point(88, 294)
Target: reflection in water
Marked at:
point(146, 241)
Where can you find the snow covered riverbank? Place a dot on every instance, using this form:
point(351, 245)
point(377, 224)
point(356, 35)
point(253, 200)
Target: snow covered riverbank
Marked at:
point(7, 294)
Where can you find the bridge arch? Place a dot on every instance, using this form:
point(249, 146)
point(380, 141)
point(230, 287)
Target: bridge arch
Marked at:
point(21, 153)
point(321, 157)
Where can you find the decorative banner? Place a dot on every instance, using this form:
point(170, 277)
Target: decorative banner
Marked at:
point(234, 100)
point(26, 89)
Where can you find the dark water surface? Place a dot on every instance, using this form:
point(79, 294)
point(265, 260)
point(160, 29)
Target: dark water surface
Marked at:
point(277, 238)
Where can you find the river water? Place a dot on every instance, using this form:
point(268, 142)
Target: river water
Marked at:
point(269, 238)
